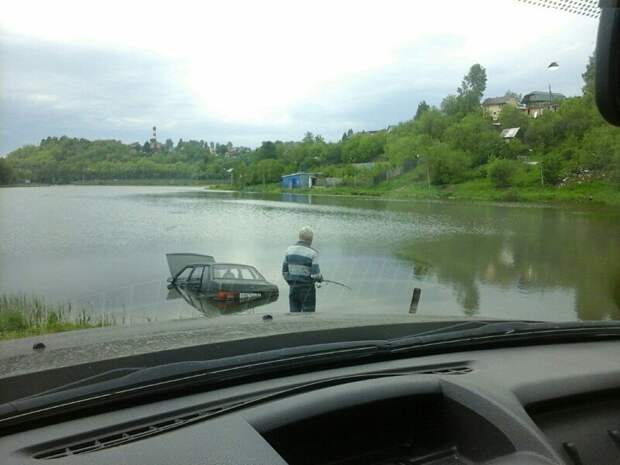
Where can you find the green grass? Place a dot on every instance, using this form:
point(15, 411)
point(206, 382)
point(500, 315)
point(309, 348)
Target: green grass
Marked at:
point(480, 189)
point(22, 316)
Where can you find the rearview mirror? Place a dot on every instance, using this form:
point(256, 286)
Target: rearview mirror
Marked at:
point(607, 84)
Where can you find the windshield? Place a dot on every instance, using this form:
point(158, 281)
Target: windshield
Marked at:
point(348, 163)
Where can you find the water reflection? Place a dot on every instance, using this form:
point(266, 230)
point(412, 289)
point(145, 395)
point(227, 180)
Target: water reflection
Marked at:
point(211, 307)
point(553, 259)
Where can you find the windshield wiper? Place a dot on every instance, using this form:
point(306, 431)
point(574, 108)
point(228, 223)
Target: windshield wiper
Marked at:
point(505, 331)
point(132, 382)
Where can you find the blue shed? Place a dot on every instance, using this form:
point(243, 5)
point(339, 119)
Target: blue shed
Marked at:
point(299, 180)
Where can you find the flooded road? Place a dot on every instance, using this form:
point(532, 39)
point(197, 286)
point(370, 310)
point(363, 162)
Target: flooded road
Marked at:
point(103, 248)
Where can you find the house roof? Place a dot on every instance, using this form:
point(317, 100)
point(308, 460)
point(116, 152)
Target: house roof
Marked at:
point(497, 100)
point(299, 174)
point(541, 96)
point(509, 133)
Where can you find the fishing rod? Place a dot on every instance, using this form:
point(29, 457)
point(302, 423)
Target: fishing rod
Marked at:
point(337, 283)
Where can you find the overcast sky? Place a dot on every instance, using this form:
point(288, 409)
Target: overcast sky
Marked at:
point(264, 70)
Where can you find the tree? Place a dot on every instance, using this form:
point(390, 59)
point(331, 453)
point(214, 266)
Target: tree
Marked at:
point(512, 117)
point(169, 145)
point(333, 153)
point(363, 147)
point(267, 150)
point(422, 107)
point(450, 105)
point(446, 165)
point(589, 76)
point(475, 136)
point(220, 149)
point(472, 88)
point(267, 171)
point(514, 95)
point(552, 168)
point(402, 151)
point(431, 123)
point(6, 172)
point(600, 148)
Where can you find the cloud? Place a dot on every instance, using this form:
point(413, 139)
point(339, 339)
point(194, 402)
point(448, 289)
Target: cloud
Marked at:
point(248, 72)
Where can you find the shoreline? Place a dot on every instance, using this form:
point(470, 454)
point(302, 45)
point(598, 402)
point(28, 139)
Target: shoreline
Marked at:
point(596, 193)
point(583, 195)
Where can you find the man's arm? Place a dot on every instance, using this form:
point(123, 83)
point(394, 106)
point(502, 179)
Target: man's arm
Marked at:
point(285, 273)
point(315, 274)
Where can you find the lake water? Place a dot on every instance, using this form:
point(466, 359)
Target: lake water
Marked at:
point(103, 248)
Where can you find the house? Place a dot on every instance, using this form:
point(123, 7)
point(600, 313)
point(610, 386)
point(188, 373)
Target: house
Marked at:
point(509, 133)
point(538, 101)
point(299, 180)
point(493, 106)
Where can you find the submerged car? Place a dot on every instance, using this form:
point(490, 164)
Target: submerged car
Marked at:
point(219, 281)
point(211, 307)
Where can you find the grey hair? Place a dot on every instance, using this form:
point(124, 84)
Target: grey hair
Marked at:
point(306, 234)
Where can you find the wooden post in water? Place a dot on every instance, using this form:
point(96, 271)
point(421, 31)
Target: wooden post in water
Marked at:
point(415, 298)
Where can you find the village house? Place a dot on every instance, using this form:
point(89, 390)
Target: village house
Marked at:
point(538, 101)
point(493, 106)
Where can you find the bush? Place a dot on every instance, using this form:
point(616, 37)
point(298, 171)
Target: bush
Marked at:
point(552, 169)
point(502, 172)
point(600, 147)
point(511, 195)
point(12, 321)
point(446, 165)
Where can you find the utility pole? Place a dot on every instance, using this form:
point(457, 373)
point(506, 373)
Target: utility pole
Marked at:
point(428, 176)
point(553, 66)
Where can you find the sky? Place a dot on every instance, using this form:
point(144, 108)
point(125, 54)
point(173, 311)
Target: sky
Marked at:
point(265, 70)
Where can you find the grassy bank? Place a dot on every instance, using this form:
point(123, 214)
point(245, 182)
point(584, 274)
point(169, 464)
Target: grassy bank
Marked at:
point(22, 316)
point(475, 190)
point(405, 187)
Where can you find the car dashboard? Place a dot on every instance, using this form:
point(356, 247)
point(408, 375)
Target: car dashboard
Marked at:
point(542, 404)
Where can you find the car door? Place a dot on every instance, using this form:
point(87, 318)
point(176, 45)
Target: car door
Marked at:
point(191, 277)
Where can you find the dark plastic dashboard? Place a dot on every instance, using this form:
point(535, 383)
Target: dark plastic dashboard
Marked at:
point(544, 404)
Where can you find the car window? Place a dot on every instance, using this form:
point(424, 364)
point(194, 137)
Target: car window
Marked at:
point(196, 275)
point(225, 272)
point(246, 273)
point(185, 274)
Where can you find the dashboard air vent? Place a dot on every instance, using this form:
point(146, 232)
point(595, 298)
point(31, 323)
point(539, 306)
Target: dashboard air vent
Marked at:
point(123, 437)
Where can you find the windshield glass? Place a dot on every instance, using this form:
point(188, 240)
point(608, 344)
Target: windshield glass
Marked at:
point(359, 163)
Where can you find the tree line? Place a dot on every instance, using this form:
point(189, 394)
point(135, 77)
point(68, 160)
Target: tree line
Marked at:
point(449, 144)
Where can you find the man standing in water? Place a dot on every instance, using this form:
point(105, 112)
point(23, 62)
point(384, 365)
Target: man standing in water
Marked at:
point(301, 271)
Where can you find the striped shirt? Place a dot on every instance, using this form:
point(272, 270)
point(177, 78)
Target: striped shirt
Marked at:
point(301, 265)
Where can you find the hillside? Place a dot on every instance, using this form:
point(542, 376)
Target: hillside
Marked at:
point(440, 151)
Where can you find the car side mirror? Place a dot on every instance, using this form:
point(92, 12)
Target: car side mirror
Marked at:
point(607, 80)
